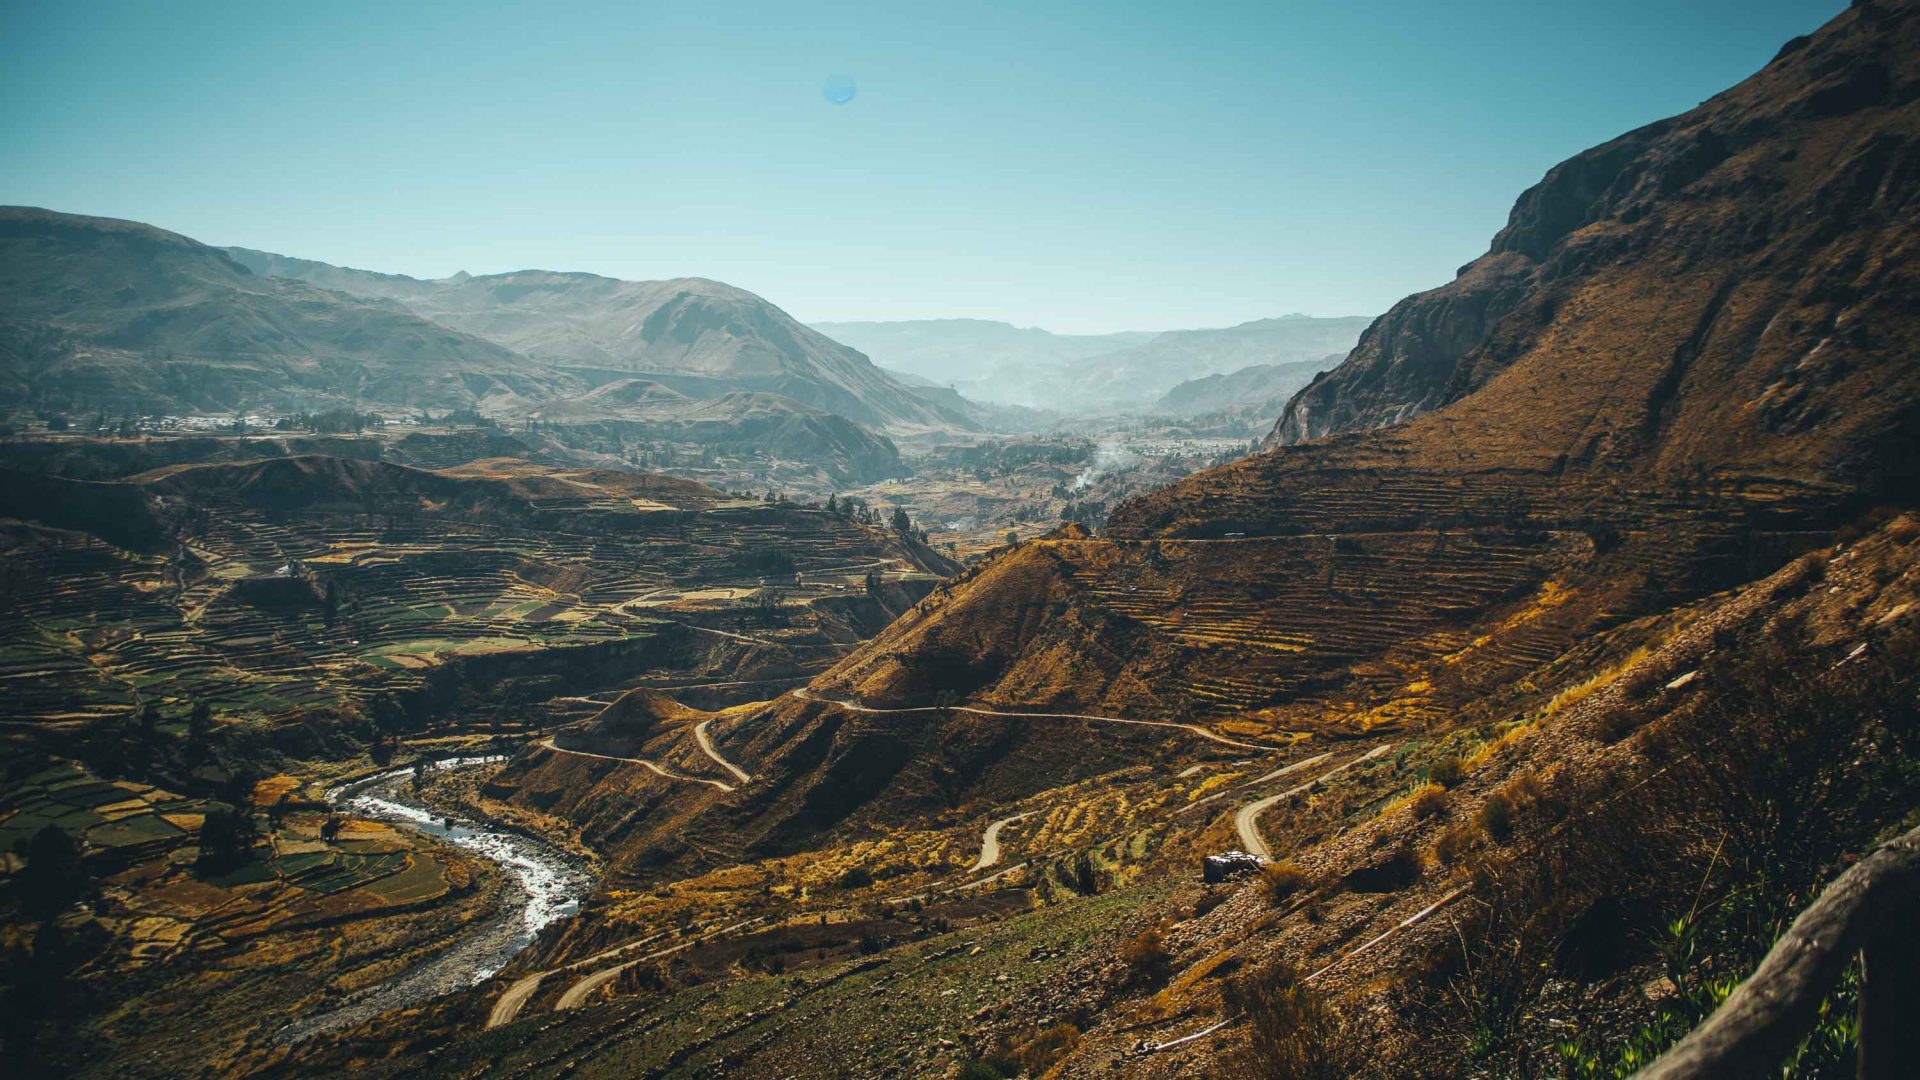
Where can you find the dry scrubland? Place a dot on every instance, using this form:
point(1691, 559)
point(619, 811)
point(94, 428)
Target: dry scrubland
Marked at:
point(1559, 648)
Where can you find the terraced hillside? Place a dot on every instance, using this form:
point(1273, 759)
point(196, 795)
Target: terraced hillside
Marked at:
point(1708, 365)
point(302, 587)
point(1553, 698)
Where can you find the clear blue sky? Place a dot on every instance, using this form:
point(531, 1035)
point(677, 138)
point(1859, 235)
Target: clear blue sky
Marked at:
point(1081, 167)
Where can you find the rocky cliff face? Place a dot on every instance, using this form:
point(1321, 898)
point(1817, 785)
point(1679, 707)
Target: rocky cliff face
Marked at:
point(1805, 171)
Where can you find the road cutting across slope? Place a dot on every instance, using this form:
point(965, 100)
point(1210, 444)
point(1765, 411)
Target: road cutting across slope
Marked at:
point(576, 995)
point(549, 744)
point(1247, 821)
point(1284, 770)
point(990, 842)
point(706, 744)
point(853, 706)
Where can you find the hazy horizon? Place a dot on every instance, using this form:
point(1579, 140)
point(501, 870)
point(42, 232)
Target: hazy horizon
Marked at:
point(1050, 167)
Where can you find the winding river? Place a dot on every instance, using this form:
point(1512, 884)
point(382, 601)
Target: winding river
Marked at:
point(544, 884)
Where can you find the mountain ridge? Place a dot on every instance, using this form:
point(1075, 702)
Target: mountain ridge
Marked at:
point(1130, 370)
point(679, 326)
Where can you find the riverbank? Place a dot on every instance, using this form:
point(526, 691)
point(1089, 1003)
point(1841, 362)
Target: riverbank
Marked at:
point(544, 883)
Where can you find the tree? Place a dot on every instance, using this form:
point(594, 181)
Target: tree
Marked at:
point(199, 731)
point(53, 877)
point(901, 523)
point(226, 838)
point(833, 503)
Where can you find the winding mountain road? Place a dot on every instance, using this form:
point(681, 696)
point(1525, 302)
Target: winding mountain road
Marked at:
point(1303, 763)
point(576, 995)
point(668, 773)
point(990, 843)
point(1247, 821)
point(509, 1004)
point(806, 695)
point(706, 745)
point(768, 642)
point(507, 1007)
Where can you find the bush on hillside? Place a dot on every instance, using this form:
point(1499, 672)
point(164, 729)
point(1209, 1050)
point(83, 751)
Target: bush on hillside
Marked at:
point(1447, 772)
point(1430, 801)
point(1147, 959)
point(1496, 817)
point(1282, 880)
point(1291, 1030)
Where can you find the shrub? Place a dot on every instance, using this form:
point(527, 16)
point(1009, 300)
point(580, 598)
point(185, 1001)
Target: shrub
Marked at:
point(1046, 1049)
point(1641, 683)
point(1399, 869)
point(1453, 843)
point(1292, 1032)
point(1147, 959)
point(1527, 791)
point(1447, 772)
point(1430, 801)
point(1282, 880)
point(856, 877)
point(1496, 816)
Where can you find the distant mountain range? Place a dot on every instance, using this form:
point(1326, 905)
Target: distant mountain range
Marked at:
point(996, 362)
point(703, 338)
point(103, 315)
point(1260, 388)
point(99, 314)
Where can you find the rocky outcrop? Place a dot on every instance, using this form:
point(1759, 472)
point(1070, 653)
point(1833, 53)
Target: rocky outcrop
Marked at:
point(1759, 185)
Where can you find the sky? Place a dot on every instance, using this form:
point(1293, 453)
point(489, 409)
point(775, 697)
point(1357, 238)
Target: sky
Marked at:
point(1083, 167)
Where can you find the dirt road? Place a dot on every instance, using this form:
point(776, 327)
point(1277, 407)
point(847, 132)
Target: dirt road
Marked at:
point(706, 745)
point(990, 843)
point(807, 695)
point(1247, 821)
point(668, 773)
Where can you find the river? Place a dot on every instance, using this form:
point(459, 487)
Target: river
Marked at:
point(544, 884)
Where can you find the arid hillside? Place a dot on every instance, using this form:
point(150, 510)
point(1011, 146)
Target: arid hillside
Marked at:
point(707, 337)
point(1719, 374)
point(102, 314)
point(1696, 297)
point(1708, 367)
